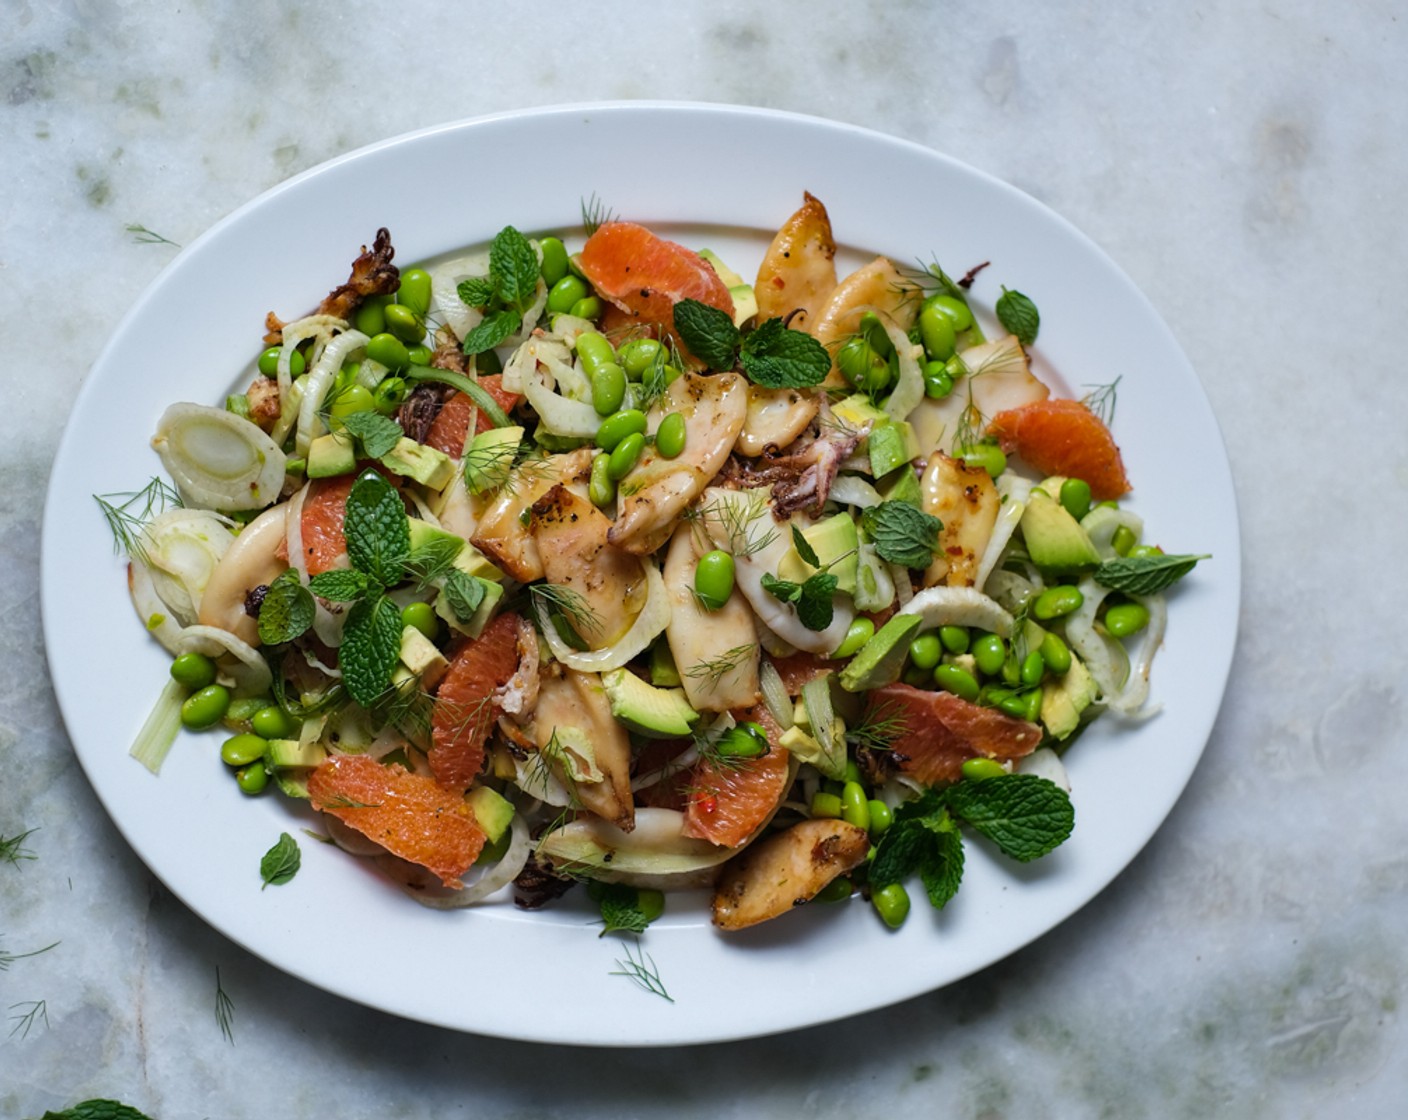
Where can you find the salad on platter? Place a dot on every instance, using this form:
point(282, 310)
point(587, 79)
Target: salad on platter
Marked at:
point(602, 567)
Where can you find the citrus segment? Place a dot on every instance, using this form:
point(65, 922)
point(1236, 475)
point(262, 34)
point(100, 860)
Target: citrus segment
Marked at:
point(464, 704)
point(1064, 437)
point(931, 734)
point(324, 508)
point(797, 669)
point(451, 425)
point(408, 815)
point(729, 800)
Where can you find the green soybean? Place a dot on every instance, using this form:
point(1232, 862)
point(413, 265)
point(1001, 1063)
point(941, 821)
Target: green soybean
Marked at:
point(891, 902)
point(826, 805)
point(422, 356)
point(414, 291)
point(638, 355)
point(855, 806)
point(1033, 668)
point(554, 266)
point(957, 312)
point(938, 382)
point(194, 670)
point(614, 429)
point(838, 890)
point(1125, 619)
point(881, 817)
point(1057, 602)
point(205, 707)
point(853, 773)
point(594, 351)
point(1056, 653)
point(1145, 551)
point(565, 293)
point(252, 778)
point(873, 331)
point(269, 362)
point(915, 677)
point(862, 366)
point(1123, 540)
point(422, 617)
point(370, 316)
point(986, 455)
point(713, 579)
point(1075, 497)
point(980, 769)
point(608, 389)
point(989, 653)
point(858, 633)
point(925, 650)
point(625, 455)
point(241, 750)
point(957, 680)
point(390, 395)
point(601, 490)
point(272, 722)
point(404, 323)
point(650, 902)
point(954, 638)
point(354, 398)
point(670, 436)
point(1014, 705)
point(1033, 711)
point(589, 307)
point(937, 333)
point(389, 350)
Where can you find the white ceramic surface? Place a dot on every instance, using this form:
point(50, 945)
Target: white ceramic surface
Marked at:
point(454, 186)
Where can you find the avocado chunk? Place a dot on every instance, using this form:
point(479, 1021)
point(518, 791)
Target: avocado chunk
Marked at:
point(419, 655)
point(489, 458)
point(290, 754)
point(1055, 541)
point(426, 465)
point(835, 542)
point(664, 673)
point(880, 660)
point(901, 485)
point(331, 455)
point(656, 713)
point(427, 539)
point(858, 412)
point(493, 812)
point(745, 302)
point(493, 593)
point(891, 444)
point(1064, 700)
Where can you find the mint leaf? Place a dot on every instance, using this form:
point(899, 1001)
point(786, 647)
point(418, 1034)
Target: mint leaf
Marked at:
point(341, 585)
point(377, 433)
point(286, 611)
point(902, 534)
point(941, 871)
point(377, 530)
point(477, 291)
point(707, 332)
point(1025, 816)
point(815, 608)
point(98, 1109)
point(804, 548)
point(492, 331)
point(621, 910)
point(514, 267)
point(464, 593)
point(371, 648)
point(1145, 575)
point(281, 862)
point(1018, 315)
point(782, 589)
point(777, 357)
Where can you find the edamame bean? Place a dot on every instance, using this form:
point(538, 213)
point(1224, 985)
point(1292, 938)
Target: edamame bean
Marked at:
point(881, 817)
point(1125, 619)
point(937, 381)
point(954, 638)
point(838, 890)
point(565, 293)
point(404, 323)
point(1033, 712)
point(390, 395)
point(980, 769)
point(989, 653)
point(858, 633)
point(587, 308)
point(594, 351)
point(853, 773)
point(414, 292)
point(389, 350)
point(925, 650)
point(1123, 540)
point(747, 740)
point(650, 902)
point(638, 355)
point(194, 670)
point(601, 490)
point(205, 707)
point(862, 366)
point(955, 309)
point(1033, 668)
point(625, 456)
point(269, 363)
point(1056, 654)
point(1075, 497)
point(937, 333)
point(272, 722)
point(370, 316)
point(241, 750)
point(855, 807)
point(614, 429)
point(891, 902)
point(670, 436)
point(873, 331)
point(554, 266)
point(352, 399)
point(1014, 705)
point(422, 617)
point(957, 680)
point(713, 579)
point(1144, 551)
point(422, 355)
point(826, 805)
point(986, 455)
point(1057, 602)
point(252, 778)
point(608, 389)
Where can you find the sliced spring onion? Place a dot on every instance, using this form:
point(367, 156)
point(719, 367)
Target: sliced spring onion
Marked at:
point(482, 400)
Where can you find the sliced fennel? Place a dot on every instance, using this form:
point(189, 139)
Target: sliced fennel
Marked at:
point(218, 460)
point(158, 733)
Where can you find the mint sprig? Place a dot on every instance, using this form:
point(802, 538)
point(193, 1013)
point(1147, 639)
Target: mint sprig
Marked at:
point(377, 531)
point(371, 647)
point(492, 330)
point(902, 534)
point(1018, 315)
point(621, 908)
point(281, 862)
point(708, 332)
point(772, 356)
point(464, 593)
point(377, 434)
point(812, 598)
point(286, 611)
point(505, 294)
point(1145, 575)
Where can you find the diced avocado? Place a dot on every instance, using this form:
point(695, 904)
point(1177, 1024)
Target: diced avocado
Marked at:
point(797, 742)
point(1063, 700)
point(331, 455)
point(835, 542)
point(292, 783)
point(745, 303)
point(419, 655)
point(891, 445)
point(493, 592)
point(425, 536)
point(901, 485)
point(880, 660)
point(493, 812)
point(858, 411)
point(664, 673)
point(656, 713)
point(550, 441)
point(489, 458)
point(1055, 541)
point(472, 562)
point(426, 465)
point(290, 754)
point(727, 275)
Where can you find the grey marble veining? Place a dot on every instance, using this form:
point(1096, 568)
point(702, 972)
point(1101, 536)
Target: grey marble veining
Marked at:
point(1243, 163)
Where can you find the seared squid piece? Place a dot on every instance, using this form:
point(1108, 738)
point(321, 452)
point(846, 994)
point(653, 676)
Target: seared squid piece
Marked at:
point(655, 493)
point(786, 870)
point(879, 287)
point(798, 273)
point(965, 499)
point(502, 534)
point(775, 418)
point(716, 652)
point(802, 479)
point(252, 560)
point(590, 752)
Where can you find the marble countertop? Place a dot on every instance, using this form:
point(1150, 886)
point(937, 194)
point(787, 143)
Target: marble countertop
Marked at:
point(1240, 162)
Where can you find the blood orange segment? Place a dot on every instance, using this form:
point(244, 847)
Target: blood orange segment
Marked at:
point(408, 815)
point(464, 709)
point(451, 426)
point(645, 275)
point(931, 734)
point(797, 669)
point(727, 802)
point(1064, 437)
point(324, 508)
